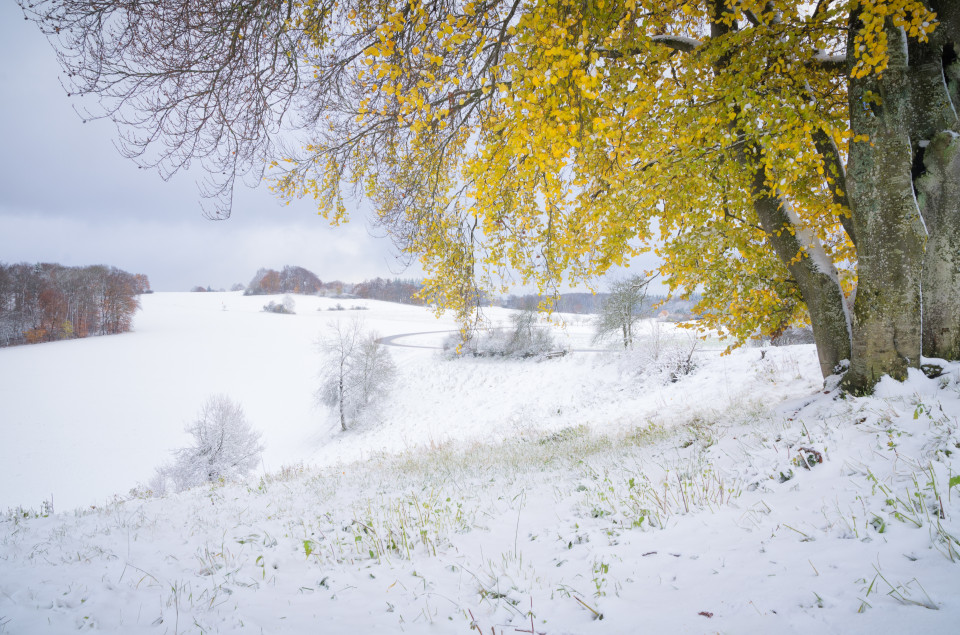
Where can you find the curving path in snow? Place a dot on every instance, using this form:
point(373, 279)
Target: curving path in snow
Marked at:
point(391, 340)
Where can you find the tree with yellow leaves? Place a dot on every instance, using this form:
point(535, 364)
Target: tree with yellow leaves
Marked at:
point(793, 161)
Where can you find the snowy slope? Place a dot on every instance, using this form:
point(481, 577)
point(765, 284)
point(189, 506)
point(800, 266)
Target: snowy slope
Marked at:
point(84, 420)
point(504, 495)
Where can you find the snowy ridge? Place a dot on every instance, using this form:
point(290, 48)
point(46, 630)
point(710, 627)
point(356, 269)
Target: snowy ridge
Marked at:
point(593, 495)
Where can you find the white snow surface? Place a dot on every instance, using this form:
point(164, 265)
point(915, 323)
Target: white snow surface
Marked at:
point(584, 494)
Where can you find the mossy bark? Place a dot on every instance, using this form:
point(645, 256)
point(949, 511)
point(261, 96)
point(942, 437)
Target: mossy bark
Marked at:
point(903, 191)
point(936, 148)
point(891, 236)
point(939, 189)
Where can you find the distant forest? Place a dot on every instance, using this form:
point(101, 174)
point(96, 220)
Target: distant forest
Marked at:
point(293, 279)
point(46, 302)
point(290, 279)
point(672, 309)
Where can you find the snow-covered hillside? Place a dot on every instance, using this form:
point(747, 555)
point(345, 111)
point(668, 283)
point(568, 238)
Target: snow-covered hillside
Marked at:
point(585, 494)
point(84, 420)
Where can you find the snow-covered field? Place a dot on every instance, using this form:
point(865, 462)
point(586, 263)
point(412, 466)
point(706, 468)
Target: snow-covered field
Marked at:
point(585, 494)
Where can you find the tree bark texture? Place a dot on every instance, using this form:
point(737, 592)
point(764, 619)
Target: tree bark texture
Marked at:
point(936, 148)
point(890, 232)
point(939, 192)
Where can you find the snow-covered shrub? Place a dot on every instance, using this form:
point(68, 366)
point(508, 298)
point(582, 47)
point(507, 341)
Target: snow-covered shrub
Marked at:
point(777, 367)
point(286, 306)
point(225, 448)
point(528, 338)
point(669, 357)
point(524, 339)
point(340, 307)
point(358, 370)
point(677, 359)
point(793, 336)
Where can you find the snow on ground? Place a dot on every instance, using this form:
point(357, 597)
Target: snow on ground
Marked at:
point(586, 494)
point(86, 419)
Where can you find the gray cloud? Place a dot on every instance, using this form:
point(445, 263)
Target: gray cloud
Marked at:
point(66, 195)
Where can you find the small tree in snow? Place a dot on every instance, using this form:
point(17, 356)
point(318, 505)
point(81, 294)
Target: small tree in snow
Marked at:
point(622, 309)
point(358, 369)
point(225, 447)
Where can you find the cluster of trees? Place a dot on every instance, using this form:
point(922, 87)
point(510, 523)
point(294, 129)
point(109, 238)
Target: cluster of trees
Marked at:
point(526, 337)
point(577, 302)
point(45, 302)
point(396, 290)
point(291, 279)
point(781, 154)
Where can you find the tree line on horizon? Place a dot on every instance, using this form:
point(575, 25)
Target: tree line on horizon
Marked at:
point(294, 279)
point(583, 302)
point(45, 302)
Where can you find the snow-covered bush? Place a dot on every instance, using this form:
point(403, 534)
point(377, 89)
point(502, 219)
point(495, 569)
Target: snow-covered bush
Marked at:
point(358, 370)
point(677, 359)
point(524, 339)
point(286, 306)
point(667, 356)
point(340, 307)
point(793, 336)
point(225, 448)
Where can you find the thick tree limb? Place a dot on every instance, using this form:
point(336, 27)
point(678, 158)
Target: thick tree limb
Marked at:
point(833, 165)
point(826, 62)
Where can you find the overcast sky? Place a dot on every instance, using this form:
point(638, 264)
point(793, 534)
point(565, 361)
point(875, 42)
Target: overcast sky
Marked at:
point(67, 196)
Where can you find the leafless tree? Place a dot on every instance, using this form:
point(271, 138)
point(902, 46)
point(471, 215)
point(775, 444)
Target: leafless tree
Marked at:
point(357, 369)
point(224, 84)
point(622, 309)
point(184, 80)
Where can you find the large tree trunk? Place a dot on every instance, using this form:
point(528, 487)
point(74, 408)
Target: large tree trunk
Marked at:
point(939, 189)
point(889, 228)
point(936, 147)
